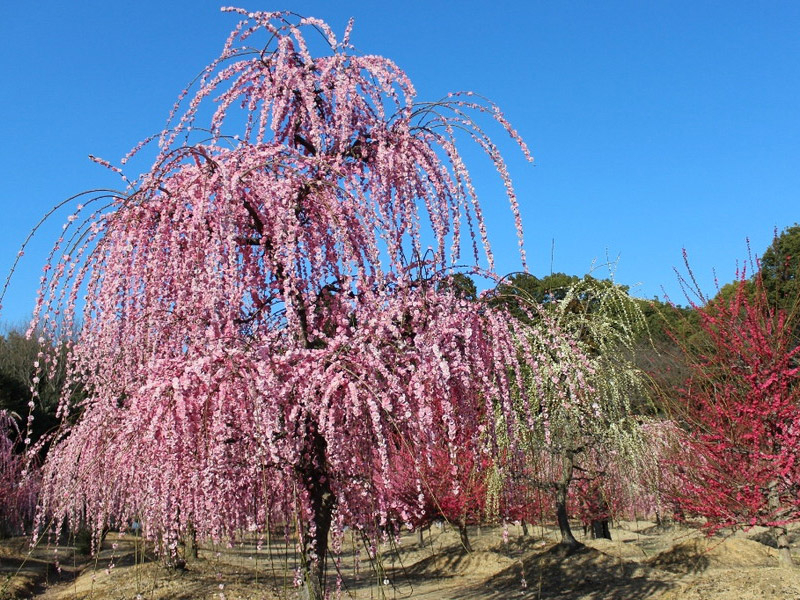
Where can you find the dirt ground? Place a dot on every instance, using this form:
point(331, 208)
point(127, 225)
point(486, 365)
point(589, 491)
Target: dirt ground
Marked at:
point(642, 561)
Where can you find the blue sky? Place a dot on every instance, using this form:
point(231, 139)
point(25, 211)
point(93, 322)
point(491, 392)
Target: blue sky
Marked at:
point(655, 126)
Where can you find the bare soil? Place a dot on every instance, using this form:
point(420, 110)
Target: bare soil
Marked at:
point(642, 561)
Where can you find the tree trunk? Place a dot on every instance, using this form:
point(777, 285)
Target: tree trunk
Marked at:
point(782, 539)
point(420, 537)
point(562, 487)
point(524, 527)
point(600, 526)
point(191, 542)
point(784, 553)
point(563, 520)
point(462, 531)
point(321, 502)
point(600, 529)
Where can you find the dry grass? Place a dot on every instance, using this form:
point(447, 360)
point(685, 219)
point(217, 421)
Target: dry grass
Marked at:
point(643, 561)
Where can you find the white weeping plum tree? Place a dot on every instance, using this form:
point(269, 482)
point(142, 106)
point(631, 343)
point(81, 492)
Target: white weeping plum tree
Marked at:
point(254, 345)
point(583, 385)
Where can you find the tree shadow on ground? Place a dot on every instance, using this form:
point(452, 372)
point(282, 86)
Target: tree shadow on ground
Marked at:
point(26, 571)
point(201, 577)
point(585, 573)
point(25, 577)
point(769, 538)
point(656, 529)
point(682, 559)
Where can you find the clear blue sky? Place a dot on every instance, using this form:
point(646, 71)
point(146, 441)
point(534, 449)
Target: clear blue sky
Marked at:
point(655, 126)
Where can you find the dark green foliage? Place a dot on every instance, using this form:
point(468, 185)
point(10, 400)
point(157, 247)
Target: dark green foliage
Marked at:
point(521, 289)
point(583, 297)
point(779, 272)
point(664, 320)
point(460, 284)
point(550, 288)
point(17, 371)
point(655, 349)
point(780, 266)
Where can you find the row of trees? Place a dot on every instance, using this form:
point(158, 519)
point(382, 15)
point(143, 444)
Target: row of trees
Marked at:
point(577, 458)
point(567, 435)
point(265, 338)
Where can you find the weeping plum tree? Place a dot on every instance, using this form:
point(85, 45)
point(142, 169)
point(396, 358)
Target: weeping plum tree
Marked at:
point(256, 342)
point(583, 385)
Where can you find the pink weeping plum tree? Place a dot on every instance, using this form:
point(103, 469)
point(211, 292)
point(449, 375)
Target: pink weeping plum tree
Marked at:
point(260, 335)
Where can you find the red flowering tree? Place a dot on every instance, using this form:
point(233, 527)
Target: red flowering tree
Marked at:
point(510, 495)
point(598, 493)
point(443, 486)
point(741, 460)
point(256, 331)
